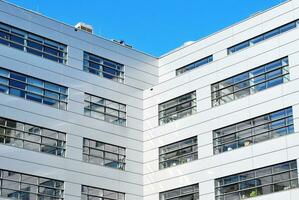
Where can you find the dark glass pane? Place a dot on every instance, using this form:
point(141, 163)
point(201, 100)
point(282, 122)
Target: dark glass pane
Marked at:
point(288, 27)
point(18, 76)
point(257, 39)
point(51, 51)
point(18, 39)
point(17, 84)
point(35, 52)
point(241, 46)
point(4, 89)
point(34, 97)
point(50, 57)
point(271, 33)
point(281, 186)
point(17, 92)
point(50, 102)
point(4, 37)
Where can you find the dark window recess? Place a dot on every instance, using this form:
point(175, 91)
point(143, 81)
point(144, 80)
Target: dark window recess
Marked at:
point(266, 180)
point(32, 43)
point(194, 65)
point(262, 37)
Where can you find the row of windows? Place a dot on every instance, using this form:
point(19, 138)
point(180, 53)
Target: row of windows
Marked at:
point(254, 130)
point(266, 180)
point(32, 137)
point(92, 193)
point(263, 37)
point(104, 154)
point(105, 109)
point(32, 43)
point(177, 108)
point(35, 138)
point(243, 45)
point(46, 48)
point(227, 90)
point(54, 95)
point(194, 65)
point(40, 139)
point(250, 82)
point(21, 186)
point(55, 51)
point(257, 182)
point(33, 89)
point(178, 153)
point(28, 187)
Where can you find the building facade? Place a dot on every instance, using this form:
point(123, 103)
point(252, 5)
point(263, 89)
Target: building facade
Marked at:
point(83, 117)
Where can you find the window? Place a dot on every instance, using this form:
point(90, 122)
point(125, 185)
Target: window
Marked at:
point(93, 193)
point(257, 182)
point(266, 127)
point(250, 82)
point(104, 109)
point(104, 154)
point(194, 65)
point(32, 137)
point(178, 153)
point(103, 67)
point(177, 108)
point(265, 36)
point(23, 186)
point(31, 43)
point(33, 89)
point(184, 193)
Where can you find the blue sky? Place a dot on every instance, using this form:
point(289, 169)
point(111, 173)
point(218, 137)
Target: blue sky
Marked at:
point(152, 26)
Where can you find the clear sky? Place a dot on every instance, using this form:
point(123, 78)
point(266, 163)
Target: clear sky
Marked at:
point(152, 26)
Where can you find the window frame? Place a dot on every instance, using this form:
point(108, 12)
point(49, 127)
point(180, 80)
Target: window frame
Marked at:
point(262, 37)
point(191, 66)
point(121, 163)
point(39, 184)
point(25, 93)
point(191, 109)
point(28, 38)
point(194, 152)
point(88, 104)
point(86, 195)
point(253, 131)
point(239, 191)
point(220, 96)
point(102, 63)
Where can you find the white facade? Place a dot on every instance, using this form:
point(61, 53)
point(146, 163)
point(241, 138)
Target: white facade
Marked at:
point(150, 81)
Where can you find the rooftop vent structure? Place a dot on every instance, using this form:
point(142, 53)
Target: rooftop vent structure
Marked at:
point(84, 27)
point(122, 42)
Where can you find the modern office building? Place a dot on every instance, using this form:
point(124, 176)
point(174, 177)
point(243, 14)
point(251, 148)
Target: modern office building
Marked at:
point(86, 118)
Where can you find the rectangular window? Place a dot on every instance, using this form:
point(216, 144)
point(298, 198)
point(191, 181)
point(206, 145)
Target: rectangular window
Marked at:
point(104, 154)
point(178, 153)
point(183, 193)
point(250, 82)
point(262, 128)
point(31, 43)
point(262, 37)
point(103, 67)
point(23, 186)
point(177, 108)
point(266, 180)
point(94, 193)
point(194, 65)
point(105, 109)
point(32, 137)
point(33, 89)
